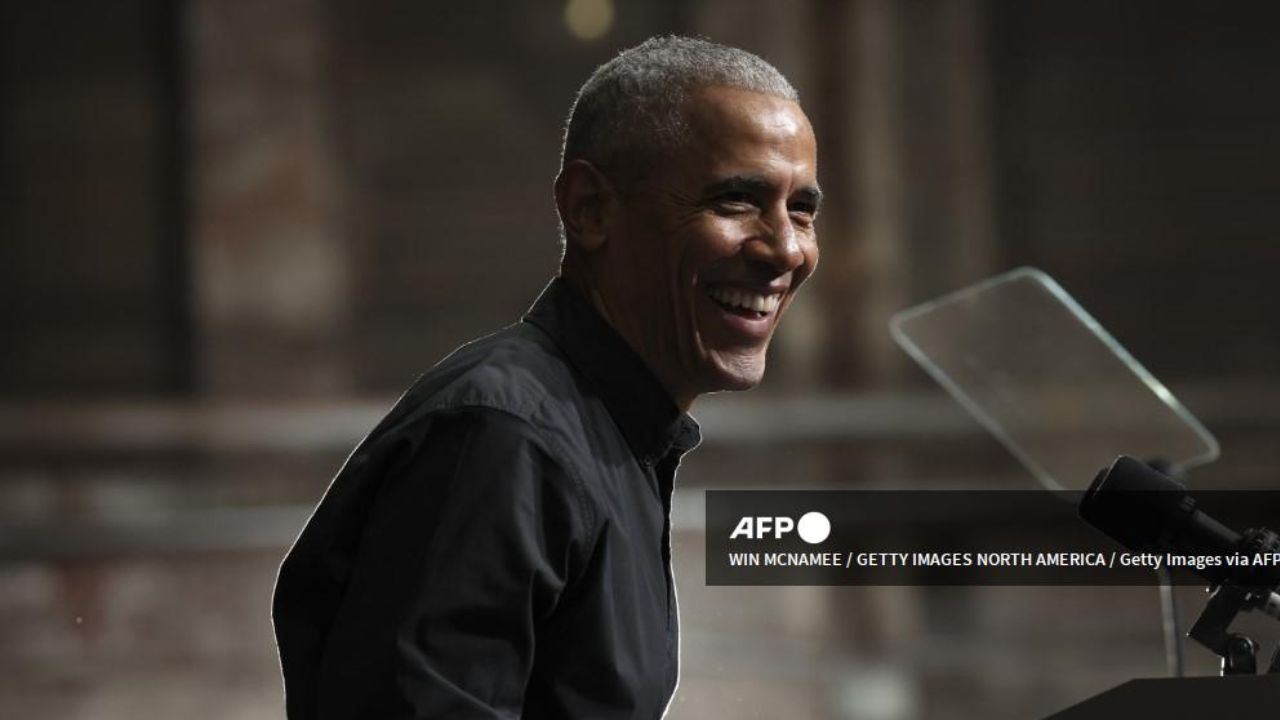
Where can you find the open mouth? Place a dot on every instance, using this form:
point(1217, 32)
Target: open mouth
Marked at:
point(745, 303)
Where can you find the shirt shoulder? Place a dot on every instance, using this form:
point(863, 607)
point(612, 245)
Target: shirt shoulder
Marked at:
point(519, 372)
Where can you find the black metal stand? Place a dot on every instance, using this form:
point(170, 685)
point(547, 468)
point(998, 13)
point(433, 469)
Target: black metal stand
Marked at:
point(1238, 652)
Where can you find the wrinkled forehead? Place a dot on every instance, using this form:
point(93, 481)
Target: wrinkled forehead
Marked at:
point(716, 110)
point(723, 124)
point(719, 126)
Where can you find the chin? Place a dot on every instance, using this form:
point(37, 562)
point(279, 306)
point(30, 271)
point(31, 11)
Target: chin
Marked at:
point(730, 374)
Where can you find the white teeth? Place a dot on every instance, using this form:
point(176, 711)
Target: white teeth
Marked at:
point(745, 299)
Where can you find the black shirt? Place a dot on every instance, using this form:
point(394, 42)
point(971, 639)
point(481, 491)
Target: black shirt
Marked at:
point(499, 545)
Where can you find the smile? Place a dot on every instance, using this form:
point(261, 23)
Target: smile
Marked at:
point(750, 303)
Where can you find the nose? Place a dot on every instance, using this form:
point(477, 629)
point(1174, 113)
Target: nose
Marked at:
point(778, 244)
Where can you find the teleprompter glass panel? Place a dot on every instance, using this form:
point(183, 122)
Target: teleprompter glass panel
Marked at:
point(1047, 380)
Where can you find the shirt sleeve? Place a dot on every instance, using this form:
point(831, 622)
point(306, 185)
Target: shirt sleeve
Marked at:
point(466, 551)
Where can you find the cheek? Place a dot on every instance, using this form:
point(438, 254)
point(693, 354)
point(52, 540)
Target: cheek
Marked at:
point(638, 257)
point(714, 241)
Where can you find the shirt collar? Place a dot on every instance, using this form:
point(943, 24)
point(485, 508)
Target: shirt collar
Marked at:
point(639, 404)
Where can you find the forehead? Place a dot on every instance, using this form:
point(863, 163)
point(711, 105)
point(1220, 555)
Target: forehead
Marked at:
point(730, 124)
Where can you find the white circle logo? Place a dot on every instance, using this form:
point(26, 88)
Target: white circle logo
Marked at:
point(814, 527)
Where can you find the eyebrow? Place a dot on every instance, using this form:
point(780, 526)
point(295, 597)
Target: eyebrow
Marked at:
point(756, 185)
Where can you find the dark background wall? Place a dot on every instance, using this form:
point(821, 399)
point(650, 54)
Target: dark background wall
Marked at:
point(1137, 150)
point(231, 232)
point(87, 225)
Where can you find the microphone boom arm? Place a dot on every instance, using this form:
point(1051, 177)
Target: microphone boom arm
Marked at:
point(1144, 510)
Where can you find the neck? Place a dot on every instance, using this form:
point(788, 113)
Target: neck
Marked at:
point(589, 290)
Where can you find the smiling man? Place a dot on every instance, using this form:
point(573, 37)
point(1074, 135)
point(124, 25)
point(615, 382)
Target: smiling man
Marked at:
point(696, 243)
point(499, 546)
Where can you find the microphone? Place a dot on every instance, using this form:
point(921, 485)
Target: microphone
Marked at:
point(1147, 511)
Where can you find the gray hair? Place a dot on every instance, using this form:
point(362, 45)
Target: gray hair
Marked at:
point(631, 108)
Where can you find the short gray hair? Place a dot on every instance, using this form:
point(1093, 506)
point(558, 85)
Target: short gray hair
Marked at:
point(631, 108)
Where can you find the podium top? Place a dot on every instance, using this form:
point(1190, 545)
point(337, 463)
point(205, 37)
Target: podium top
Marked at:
point(1198, 698)
point(1021, 355)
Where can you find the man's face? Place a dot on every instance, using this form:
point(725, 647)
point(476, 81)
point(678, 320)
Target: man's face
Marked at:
point(708, 249)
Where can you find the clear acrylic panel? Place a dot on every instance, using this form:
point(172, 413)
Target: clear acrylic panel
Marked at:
point(1048, 381)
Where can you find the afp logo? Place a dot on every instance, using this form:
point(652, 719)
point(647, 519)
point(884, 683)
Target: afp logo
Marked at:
point(813, 527)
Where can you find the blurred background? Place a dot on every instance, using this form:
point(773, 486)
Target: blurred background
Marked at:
point(231, 232)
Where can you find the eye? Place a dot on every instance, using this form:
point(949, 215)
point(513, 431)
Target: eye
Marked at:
point(734, 201)
point(802, 212)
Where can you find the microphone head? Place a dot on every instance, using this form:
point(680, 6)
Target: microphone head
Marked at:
point(1134, 504)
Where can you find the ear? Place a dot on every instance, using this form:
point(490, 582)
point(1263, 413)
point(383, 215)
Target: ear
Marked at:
point(584, 199)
